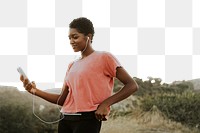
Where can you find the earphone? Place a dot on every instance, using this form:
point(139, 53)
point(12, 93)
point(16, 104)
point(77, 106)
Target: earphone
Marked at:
point(86, 44)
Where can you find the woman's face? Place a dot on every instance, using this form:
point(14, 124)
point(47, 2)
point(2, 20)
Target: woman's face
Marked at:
point(77, 40)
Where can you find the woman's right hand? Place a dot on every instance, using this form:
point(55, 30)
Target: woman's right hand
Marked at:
point(29, 86)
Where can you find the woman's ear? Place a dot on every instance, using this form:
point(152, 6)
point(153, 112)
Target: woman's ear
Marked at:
point(90, 37)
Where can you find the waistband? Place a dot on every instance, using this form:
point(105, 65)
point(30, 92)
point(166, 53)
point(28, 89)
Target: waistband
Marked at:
point(79, 115)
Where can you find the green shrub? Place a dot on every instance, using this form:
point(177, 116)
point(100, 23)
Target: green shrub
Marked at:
point(182, 108)
point(16, 113)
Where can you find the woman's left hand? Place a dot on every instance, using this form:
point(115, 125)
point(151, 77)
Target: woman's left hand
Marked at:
point(102, 112)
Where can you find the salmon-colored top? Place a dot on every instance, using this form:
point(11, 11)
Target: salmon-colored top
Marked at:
point(90, 81)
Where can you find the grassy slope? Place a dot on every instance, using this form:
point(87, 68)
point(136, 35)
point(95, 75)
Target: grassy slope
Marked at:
point(150, 122)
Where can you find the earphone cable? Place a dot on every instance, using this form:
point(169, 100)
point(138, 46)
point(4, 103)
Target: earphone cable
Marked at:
point(33, 96)
point(47, 122)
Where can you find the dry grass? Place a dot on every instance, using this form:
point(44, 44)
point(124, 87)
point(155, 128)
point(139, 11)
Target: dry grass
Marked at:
point(149, 122)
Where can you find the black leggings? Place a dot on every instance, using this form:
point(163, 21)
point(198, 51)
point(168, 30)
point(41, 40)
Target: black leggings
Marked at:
point(79, 126)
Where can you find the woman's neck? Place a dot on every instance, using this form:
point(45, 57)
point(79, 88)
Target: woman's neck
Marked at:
point(87, 52)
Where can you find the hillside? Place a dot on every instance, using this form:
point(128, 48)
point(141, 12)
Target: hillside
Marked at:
point(138, 121)
point(196, 83)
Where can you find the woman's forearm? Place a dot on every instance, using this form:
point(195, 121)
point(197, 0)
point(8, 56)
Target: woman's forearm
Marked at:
point(46, 96)
point(129, 88)
point(50, 97)
point(125, 92)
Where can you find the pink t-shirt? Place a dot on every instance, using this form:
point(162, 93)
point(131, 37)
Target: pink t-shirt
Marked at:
point(90, 82)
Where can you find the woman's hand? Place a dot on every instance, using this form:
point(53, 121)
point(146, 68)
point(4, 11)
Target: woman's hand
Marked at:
point(29, 86)
point(102, 112)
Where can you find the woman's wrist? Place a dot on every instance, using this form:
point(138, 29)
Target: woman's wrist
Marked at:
point(105, 104)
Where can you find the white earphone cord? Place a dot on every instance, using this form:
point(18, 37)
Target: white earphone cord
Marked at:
point(85, 46)
point(47, 122)
point(75, 58)
point(33, 96)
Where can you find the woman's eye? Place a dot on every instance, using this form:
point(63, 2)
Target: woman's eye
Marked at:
point(75, 37)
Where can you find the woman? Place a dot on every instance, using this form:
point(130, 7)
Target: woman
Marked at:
point(86, 93)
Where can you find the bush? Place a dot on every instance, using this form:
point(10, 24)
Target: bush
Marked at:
point(16, 113)
point(182, 108)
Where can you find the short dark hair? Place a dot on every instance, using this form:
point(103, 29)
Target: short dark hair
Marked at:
point(83, 25)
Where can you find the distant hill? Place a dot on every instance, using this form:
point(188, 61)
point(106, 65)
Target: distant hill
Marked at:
point(7, 87)
point(53, 90)
point(196, 83)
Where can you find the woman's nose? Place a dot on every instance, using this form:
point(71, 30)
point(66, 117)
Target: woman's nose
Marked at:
point(71, 41)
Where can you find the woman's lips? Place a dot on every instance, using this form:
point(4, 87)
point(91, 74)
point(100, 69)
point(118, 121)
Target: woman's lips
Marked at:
point(74, 47)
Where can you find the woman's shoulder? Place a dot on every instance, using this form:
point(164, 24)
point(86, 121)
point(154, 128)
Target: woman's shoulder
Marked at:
point(106, 55)
point(103, 53)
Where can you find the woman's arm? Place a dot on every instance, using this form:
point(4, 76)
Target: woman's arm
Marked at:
point(53, 98)
point(130, 86)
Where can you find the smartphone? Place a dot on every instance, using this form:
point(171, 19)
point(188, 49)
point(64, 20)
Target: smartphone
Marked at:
point(20, 70)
